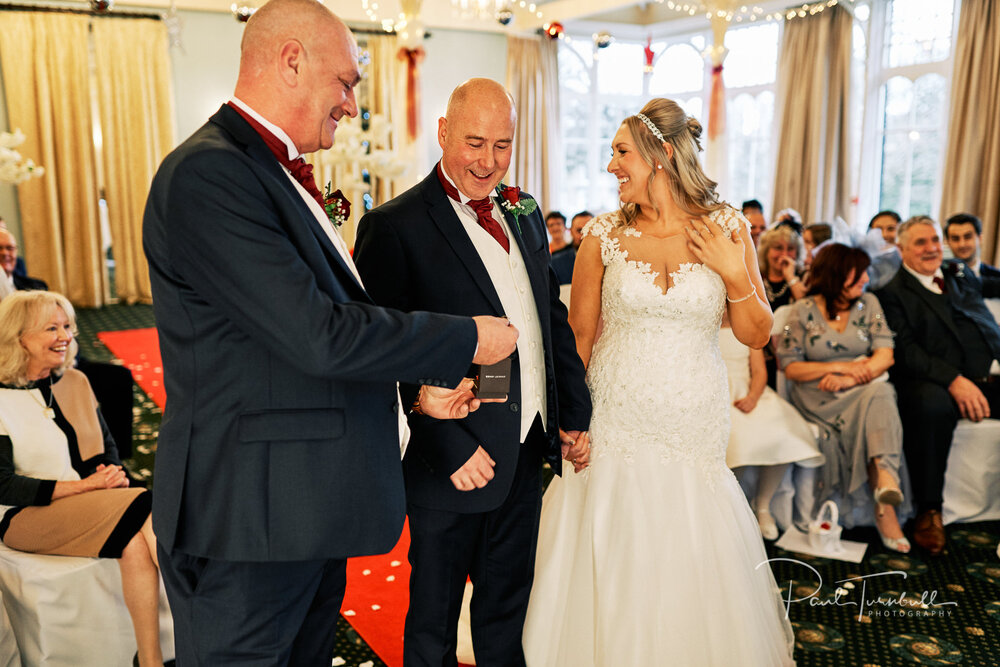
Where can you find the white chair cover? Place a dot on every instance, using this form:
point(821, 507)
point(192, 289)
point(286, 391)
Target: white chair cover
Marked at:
point(69, 612)
point(9, 655)
point(972, 483)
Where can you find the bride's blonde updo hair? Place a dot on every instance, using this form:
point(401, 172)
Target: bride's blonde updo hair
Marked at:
point(692, 190)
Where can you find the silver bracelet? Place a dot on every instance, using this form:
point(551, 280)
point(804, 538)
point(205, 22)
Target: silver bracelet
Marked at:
point(753, 292)
point(794, 281)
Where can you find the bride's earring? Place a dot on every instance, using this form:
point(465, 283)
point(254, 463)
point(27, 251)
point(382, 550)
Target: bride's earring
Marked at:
point(659, 166)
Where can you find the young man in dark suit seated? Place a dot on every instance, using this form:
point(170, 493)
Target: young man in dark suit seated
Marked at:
point(947, 347)
point(964, 232)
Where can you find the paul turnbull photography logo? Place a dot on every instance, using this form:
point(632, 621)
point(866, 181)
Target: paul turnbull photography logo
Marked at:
point(874, 595)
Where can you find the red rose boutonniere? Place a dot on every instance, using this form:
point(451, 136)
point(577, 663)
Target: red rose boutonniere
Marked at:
point(510, 200)
point(337, 208)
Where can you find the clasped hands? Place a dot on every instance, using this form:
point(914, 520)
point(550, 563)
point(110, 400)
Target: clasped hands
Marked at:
point(107, 477)
point(478, 470)
point(847, 374)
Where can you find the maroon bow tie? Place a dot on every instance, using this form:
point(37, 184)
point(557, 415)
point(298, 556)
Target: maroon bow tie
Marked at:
point(939, 281)
point(482, 207)
point(301, 170)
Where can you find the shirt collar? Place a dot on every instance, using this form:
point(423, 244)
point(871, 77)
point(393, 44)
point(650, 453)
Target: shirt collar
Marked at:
point(926, 281)
point(293, 152)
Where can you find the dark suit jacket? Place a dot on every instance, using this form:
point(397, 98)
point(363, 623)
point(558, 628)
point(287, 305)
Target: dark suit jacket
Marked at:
point(279, 438)
point(26, 283)
point(928, 344)
point(413, 253)
point(988, 271)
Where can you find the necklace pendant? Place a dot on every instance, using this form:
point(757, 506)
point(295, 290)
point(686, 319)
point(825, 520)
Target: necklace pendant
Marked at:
point(50, 413)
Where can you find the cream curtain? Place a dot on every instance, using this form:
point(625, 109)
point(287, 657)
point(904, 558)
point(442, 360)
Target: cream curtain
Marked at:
point(135, 103)
point(812, 172)
point(45, 69)
point(533, 80)
point(971, 182)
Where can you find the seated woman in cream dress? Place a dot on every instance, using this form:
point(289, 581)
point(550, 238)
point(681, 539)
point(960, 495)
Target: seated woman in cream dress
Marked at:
point(766, 432)
point(62, 487)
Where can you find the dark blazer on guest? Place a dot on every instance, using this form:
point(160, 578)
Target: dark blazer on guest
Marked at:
point(928, 344)
point(279, 439)
point(414, 254)
point(27, 283)
point(988, 270)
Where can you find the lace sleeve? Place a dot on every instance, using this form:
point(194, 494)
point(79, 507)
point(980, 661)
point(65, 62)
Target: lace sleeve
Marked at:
point(600, 228)
point(730, 219)
point(878, 329)
point(791, 342)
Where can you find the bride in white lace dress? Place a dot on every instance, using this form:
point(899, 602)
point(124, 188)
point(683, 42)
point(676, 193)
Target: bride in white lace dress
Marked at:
point(652, 555)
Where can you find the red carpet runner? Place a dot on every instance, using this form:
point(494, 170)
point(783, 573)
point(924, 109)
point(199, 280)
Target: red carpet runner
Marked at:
point(377, 595)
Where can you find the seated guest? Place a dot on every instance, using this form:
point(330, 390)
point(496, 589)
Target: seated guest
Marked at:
point(576, 226)
point(948, 345)
point(886, 222)
point(62, 487)
point(779, 253)
point(111, 383)
point(835, 348)
point(964, 233)
point(766, 431)
point(9, 262)
point(753, 210)
point(813, 236)
point(19, 262)
point(563, 252)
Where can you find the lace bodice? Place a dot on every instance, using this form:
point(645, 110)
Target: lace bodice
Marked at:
point(656, 375)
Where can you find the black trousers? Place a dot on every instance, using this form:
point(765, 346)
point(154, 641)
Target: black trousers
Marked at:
point(496, 550)
point(929, 416)
point(253, 614)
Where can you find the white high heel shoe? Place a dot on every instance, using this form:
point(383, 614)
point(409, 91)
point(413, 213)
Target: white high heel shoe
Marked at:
point(768, 528)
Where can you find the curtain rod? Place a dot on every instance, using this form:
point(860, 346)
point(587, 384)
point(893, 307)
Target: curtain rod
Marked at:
point(8, 7)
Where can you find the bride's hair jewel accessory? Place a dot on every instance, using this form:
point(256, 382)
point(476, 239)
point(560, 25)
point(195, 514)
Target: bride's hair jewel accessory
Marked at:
point(652, 128)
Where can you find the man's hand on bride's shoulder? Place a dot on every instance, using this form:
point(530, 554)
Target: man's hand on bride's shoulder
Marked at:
point(575, 446)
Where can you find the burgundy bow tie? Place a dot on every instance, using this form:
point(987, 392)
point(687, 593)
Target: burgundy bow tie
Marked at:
point(482, 207)
point(939, 281)
point(301, 170)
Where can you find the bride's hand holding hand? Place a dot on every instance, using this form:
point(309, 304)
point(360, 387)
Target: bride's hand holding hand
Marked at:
point(721, 252)
point(575, 446)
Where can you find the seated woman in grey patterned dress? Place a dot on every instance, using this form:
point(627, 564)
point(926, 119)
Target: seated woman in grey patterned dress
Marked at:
point(835, 350)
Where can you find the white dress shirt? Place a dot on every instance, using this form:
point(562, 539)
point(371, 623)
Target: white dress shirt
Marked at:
point(510, 279)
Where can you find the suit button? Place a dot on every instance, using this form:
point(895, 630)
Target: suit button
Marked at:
point(395, 406)
point(421, 381)
point(514, 407)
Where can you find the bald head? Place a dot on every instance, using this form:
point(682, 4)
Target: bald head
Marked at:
point(298, 69)
point(480, 94)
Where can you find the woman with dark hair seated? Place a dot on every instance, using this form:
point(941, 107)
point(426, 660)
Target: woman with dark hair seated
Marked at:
point(62, 487)
point(835, 349)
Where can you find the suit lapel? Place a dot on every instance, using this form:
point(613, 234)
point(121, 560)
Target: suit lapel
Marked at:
point(939, 306)
point(258, 151)
point(444, 217)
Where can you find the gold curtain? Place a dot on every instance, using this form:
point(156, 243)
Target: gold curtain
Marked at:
point(533, 80)
point(135, 103)
point(45, 69)
point(972, 154)
point(812, 173)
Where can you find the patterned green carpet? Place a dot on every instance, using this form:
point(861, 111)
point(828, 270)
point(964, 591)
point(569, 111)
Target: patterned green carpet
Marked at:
point(844, 614)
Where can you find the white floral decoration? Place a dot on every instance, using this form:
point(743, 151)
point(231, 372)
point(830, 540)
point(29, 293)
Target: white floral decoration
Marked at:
point(13, 168)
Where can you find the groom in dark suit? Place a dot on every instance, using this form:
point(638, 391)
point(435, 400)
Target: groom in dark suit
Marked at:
point(947, 347)
point(279, 452)
point(474, 488)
